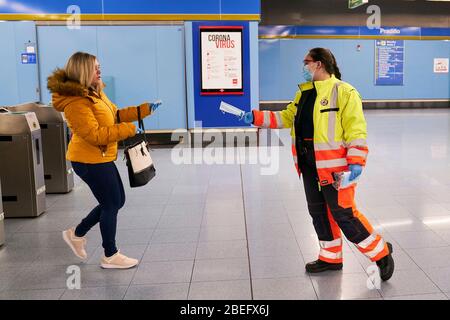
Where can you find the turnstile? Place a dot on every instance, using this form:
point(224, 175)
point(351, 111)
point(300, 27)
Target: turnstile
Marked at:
point(2, 217)
point(21, 164)
point(58, 172)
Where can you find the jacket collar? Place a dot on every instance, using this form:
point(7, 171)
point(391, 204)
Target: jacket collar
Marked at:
point(59, 83)
point(319, 85)
point(306, 86)
point(328, 83)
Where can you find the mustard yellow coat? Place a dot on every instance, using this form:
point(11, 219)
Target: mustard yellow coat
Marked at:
point(92, 118)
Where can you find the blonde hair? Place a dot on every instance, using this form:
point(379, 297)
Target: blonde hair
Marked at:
point(80, 68)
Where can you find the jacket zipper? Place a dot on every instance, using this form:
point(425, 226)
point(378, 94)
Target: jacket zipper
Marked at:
point(103, 149)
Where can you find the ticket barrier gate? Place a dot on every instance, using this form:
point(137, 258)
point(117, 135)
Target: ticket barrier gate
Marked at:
point(58, 172)
point(2, 217)
point(21, 164)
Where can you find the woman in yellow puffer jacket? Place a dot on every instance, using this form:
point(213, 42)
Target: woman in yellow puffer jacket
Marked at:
point(93, 119)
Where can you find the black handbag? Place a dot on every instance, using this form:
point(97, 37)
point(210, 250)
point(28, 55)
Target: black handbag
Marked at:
point(139, 162)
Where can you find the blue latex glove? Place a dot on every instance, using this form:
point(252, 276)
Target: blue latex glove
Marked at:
point(155, 105)
point(355, 170)
point(248, 117)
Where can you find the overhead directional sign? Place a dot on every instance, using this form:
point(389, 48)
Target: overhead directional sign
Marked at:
point(352, 4)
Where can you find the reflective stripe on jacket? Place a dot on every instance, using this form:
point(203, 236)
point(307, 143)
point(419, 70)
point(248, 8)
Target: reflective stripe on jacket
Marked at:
point(340, 129)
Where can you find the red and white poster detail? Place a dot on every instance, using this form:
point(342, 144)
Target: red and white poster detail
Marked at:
point(221, 54)
point(441, 65)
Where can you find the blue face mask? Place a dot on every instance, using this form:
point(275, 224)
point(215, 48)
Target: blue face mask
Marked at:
point(307, 74)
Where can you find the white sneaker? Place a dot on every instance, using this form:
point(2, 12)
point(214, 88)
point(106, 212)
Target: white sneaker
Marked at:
point(77, 244)
point(118, 261)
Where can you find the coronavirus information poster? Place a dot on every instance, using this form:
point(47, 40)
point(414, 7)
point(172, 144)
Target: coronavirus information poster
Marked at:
point(221, 60)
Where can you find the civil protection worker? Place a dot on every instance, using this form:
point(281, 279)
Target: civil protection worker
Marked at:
point(97, 125)
point(329, 136)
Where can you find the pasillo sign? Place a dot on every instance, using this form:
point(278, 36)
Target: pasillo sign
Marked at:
point(391, 31)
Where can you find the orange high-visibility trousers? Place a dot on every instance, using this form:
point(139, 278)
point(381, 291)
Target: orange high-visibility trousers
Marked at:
point(333, 211)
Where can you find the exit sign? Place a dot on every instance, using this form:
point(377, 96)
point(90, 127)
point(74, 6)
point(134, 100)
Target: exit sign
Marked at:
point(352, 4)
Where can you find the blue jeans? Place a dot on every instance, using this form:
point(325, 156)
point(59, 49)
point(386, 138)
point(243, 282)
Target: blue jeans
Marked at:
point(104, 181)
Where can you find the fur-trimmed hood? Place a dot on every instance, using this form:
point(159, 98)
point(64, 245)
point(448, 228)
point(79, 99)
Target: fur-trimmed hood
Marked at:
point(64, 91)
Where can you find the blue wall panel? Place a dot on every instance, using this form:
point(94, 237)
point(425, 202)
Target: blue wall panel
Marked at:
point(189, 50)
point(355, 32)
point(170, 62)
point(281, 63)
point(48, 6)
point(147, 63)
point(419, 65)
point(18, 82)
point(140, 63)
point(269, 69)
point(254, 65)
point(133, 6)
point(56, 45)
point(240, 7)
point(207, 107)
point(9, 93)
point(127, 54)
point(162, 6)
point(27, 74)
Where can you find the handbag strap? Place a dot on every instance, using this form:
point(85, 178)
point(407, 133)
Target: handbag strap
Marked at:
point(141, 123)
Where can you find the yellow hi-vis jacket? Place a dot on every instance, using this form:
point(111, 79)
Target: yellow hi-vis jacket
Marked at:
point(340, 129)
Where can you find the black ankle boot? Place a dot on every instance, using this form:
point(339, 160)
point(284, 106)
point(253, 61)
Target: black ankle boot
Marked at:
point(321, 266)
point(386, 265)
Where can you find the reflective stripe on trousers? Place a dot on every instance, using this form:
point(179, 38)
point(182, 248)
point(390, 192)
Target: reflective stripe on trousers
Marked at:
point(331, 251)
point(372, 246)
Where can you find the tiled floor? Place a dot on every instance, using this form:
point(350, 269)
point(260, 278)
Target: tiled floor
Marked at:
point(225, 231)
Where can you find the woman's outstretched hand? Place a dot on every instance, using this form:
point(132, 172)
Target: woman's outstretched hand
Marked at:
point(155, 105)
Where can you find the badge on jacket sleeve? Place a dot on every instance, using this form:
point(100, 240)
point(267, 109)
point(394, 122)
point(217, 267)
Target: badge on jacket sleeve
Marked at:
point(324, 102)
